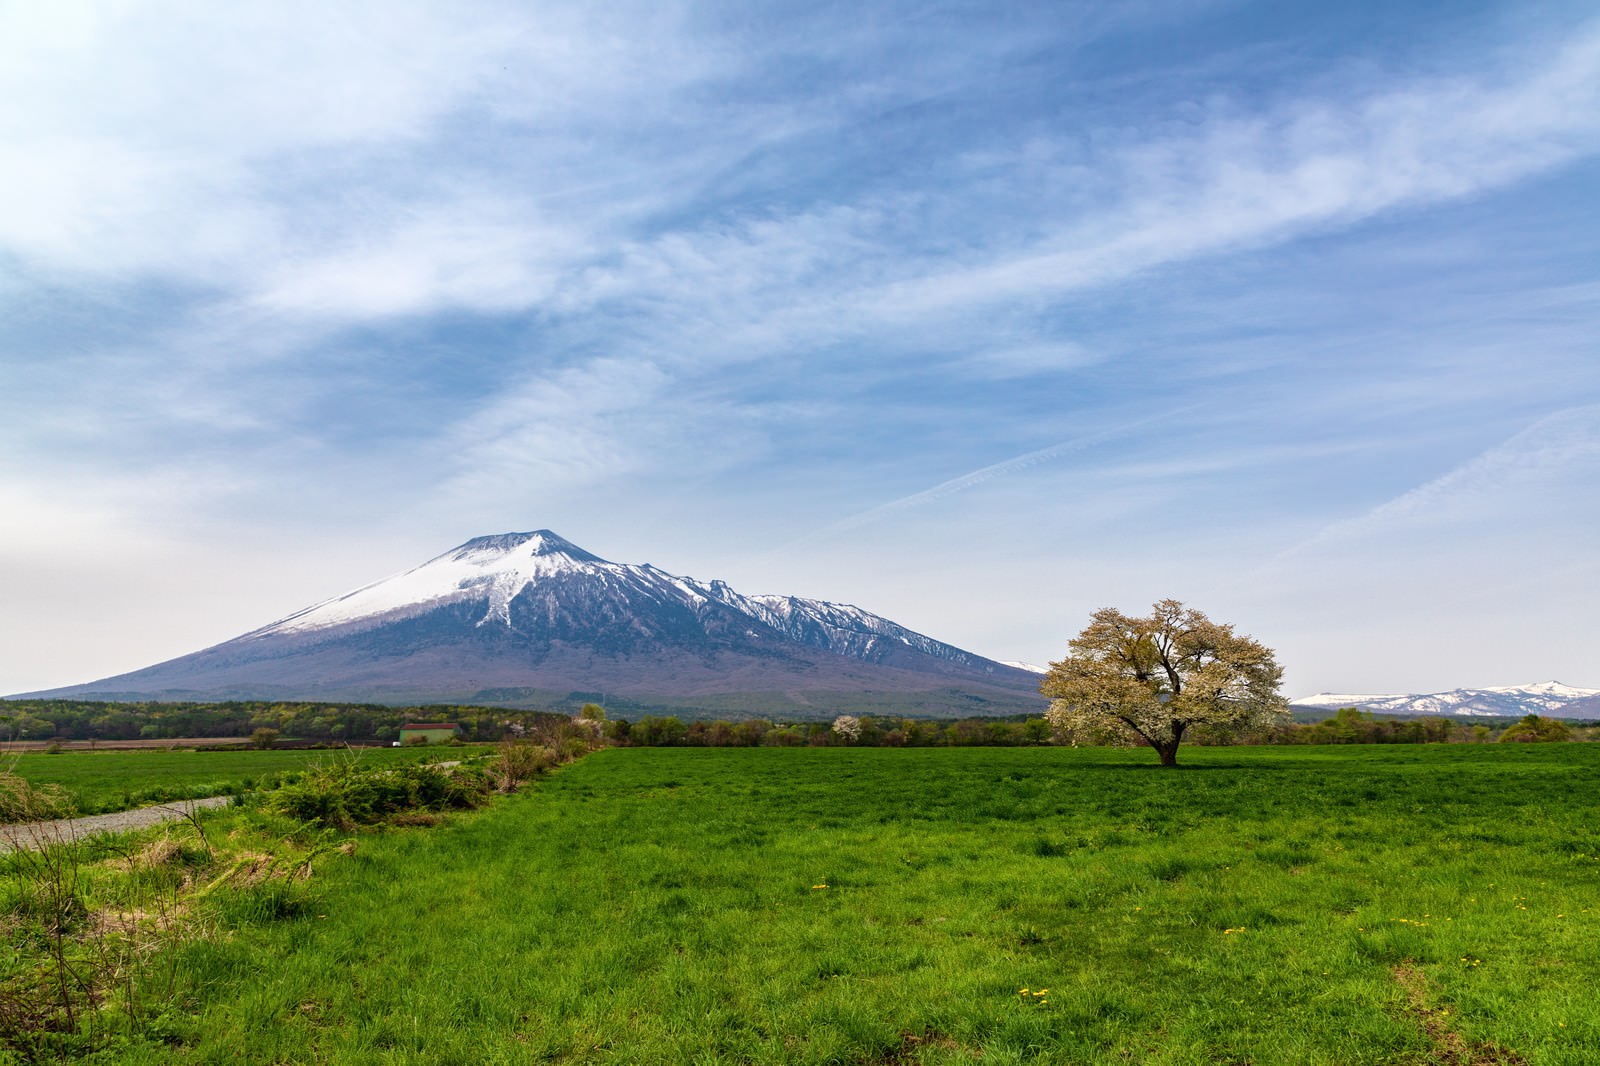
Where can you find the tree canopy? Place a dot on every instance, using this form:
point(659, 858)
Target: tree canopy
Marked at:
point(1536, 728)
point(1152, 678)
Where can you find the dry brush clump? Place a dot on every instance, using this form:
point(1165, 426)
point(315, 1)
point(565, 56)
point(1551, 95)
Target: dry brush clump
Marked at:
point(549, 743)
point(23, 805)
point(95, 925)
point(92, 924)
point(516, 762)
point(569, 738)
point(88, 927)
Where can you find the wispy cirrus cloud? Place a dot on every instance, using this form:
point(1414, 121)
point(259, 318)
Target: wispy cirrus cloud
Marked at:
point(470, 255)
point(479, 262)
point(115, 183)
point(1243, 180)
point(206, 145)
point(840, 271)
point(701, 298)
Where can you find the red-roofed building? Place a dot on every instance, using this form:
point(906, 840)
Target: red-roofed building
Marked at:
point(428, 732)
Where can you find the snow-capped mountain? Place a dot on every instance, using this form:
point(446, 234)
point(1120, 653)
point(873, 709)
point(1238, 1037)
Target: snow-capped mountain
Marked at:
point(1550, 698)
point(530, 618)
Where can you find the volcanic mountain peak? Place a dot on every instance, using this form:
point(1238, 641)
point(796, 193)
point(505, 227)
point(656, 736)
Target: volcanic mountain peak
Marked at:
point(496, 567)
point(521, 618)
point(539, 542)
point(489, 572)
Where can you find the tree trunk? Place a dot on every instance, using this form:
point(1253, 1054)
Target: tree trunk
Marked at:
point(1168, 752)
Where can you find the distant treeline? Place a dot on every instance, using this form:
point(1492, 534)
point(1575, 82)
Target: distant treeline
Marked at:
point(1347, 726)
point(370, 723)
point(353, 723)
point(873, 733)
point(1350, 725)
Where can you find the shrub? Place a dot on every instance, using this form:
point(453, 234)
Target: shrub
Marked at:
point(343, 794)
point(1536, 728)
point(518, 762)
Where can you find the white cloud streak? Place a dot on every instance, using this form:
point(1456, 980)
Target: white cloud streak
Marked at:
point(1248, 181)
point(1555, 458)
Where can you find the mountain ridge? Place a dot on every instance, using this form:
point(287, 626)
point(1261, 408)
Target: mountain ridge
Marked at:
point(1550, 698)
point(534, 613)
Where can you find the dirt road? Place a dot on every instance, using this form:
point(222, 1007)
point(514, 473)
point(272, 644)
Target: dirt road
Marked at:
point(33, 835)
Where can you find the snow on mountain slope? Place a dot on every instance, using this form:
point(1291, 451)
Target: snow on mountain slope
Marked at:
point(1544, 697)
point(1344, 699)
point(1554, 689)
point(840, 626)
point(497, 568)
point(491, 572)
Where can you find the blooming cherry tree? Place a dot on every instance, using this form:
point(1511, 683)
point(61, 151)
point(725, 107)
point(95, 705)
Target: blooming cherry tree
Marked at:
point(1154, 677)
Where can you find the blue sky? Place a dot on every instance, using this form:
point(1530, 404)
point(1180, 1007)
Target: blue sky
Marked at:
point(979, 316)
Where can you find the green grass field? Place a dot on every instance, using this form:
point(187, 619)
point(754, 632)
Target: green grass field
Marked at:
point(100, 781)
point(1327, 905)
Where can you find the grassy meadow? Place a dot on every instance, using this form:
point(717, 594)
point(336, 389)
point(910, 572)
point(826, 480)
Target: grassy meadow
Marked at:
point(1340, 905)
point(100, 781)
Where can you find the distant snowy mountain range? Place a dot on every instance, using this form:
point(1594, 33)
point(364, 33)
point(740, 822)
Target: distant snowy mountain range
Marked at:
point(531, 619)
point(1549, 698)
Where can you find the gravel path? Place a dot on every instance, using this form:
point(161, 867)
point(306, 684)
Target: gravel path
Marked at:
point(31, 835)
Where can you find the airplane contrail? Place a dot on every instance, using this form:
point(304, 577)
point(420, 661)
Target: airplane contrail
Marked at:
point(1557, 439)
point(976, 477)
